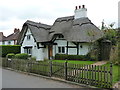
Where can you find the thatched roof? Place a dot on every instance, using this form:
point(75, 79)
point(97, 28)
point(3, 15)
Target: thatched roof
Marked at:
point(39, 31)
point(76, 30)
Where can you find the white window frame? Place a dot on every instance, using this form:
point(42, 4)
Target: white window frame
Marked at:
point(28, 51)
point(28, 37)
point(61, 49)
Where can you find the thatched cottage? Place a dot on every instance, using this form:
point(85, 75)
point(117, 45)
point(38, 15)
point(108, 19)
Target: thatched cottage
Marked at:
point(68, 35)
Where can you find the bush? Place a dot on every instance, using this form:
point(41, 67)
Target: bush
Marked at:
point(22, 56)
point(10, 55)
point(33, 58)
point(72, 57)
point(61, 56)
point(6, 49)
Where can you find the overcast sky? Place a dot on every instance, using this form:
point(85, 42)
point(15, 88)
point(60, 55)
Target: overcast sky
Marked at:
point(13, 13)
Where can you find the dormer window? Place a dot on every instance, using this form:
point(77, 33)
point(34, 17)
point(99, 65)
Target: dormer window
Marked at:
point(60, 36)
point(28, 37)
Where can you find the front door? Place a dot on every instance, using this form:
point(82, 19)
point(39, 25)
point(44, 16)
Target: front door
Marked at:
point(50, 52)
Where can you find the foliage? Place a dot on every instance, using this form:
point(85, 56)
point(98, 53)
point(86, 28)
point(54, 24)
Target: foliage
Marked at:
point(10, 55)
point(6, 49)
point(116, 60)
point(111, 35)
point(22, 56)
point(33, 58)
point(73, 57)
point(61, 56)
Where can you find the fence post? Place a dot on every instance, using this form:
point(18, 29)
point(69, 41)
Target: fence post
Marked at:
point(111, 78)
point(29, 66)
point(66, 70)
point(50, 68)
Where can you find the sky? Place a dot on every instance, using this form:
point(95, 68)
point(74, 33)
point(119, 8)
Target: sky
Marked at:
point(14, 13)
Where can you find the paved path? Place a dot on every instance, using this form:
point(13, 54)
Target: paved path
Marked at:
point(13, 79)
point(117, 85)
point(100, 63)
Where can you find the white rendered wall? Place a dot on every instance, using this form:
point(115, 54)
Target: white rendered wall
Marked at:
point(0, 43)
point(45, 52)
point(38, 53)
point(71, 51)
point(85, 48)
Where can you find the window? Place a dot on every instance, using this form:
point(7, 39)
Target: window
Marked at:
point(61, 49)
point(81, 46)
point(3, 43)
point(60, 36)
point(28, 51)
point(9, 42)
point(28, 37)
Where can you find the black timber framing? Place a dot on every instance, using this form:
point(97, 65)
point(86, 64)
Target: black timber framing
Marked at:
point(67, 48)
point(72, 47)
point(40, 47)
point(77, 48)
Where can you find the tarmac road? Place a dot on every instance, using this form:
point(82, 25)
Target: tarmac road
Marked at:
point(12, 79)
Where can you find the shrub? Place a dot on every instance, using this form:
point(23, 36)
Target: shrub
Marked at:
point(72, 57)
point(61, 56)
point(10, 55)
point(33, 58)
point(22, 56)
point(6, 49)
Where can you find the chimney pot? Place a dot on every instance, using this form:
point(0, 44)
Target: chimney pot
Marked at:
point(16, 30)
point(76, 7)
point(79, 7)
point(83, 6)
point(81, 12)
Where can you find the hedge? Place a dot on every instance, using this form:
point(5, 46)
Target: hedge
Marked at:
point(73, 57)
point(10, 55)
point(22, 56)
point(6, 49)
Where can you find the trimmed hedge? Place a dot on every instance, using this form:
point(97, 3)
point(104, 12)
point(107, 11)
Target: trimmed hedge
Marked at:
point(22, 56)
point(6, 49)
point(10, 55)
point(73, 57)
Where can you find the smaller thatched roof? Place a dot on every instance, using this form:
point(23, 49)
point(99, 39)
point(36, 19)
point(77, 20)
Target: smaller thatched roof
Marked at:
point(39, 31)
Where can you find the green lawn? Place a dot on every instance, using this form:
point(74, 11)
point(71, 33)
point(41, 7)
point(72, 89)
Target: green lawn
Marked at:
point(75, 62)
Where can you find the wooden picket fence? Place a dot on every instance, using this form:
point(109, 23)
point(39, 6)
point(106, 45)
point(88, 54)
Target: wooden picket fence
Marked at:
point(99, 76)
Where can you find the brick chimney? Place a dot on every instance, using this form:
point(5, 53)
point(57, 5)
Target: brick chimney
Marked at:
point(1, 34)
point(80, 12)
point(16, 30)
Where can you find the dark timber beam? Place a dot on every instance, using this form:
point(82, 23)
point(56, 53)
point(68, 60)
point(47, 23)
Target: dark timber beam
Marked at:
point(77, 48)
point(67, 48)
